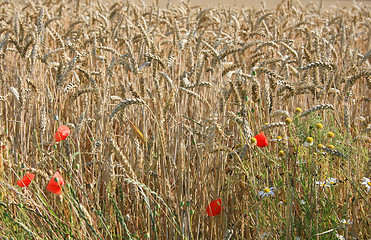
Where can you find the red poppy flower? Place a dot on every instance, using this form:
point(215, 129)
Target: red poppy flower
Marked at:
point(26, 180)
point(261, 140)
point(62, 133)
point(55, 184)
point(214, 208)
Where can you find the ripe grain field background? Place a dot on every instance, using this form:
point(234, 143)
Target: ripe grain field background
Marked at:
point(165, 107)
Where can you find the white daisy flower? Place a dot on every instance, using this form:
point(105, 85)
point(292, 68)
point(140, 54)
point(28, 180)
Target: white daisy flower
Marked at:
point(308, 142)
point(367, 182)
point(266, 192)
point(331, 182)
point(322, 184)
point(345, 223)
point(340, 237)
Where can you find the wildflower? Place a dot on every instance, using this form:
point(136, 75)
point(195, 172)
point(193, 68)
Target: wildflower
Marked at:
point(322, 184)
point(26, 180)
point(302, 202)
point(308, 142)
point(62, 133)
point(367, 183)
point(55, 184)
point(319, 126)
point(298, 110)
point(288, 120)
point(330, 134)
point(345, 223)
point(319, 146)
point(266, 192)
point(281, 153)
point(253, 140)
point(278, 139)
point(340, 237)
point(331, 181)
point(331, 146)
point(214, 208)
point(261, 140)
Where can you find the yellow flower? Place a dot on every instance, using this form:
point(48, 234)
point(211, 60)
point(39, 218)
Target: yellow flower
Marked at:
point(253, 140)
point(330, 134)
point(288, 120)
point(319, 146)
point(308, 142)
point(279, 138)
point(281, 153)
point(298, 110)
point(331, 146)
point(319, 126)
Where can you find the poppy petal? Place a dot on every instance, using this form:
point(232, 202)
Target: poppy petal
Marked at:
point(26, 180)
point(261, 139)
point(55, 184)
point(214, 208)
point(62, 133)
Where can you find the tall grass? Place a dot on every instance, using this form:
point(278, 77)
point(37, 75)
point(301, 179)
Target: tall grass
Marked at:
point(163, 104)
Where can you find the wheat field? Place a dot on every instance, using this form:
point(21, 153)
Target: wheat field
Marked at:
point(164, 107)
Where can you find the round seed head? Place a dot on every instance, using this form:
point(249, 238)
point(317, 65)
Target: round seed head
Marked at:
point(298, 110)
point(330, 134)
